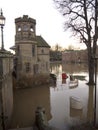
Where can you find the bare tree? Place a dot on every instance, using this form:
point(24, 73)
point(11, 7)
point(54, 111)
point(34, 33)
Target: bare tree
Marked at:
point(58, 48)
point(81, 19)
point(71, 47)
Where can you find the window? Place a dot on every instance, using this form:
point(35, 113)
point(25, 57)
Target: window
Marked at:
point(31, 29)
point(25, 28)
point(42, 51)
point(19, 28)
point(33, 50)
point(1, 68)
point(35, 67)
point(38, 59)
point(18, 49)
point(46, 65)
point(27, 64)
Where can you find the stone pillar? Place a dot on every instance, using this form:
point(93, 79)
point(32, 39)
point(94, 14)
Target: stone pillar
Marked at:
point(6, 88)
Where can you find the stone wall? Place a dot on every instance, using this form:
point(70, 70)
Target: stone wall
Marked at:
point(43, 60)
point(6, 88)
point(74, 56)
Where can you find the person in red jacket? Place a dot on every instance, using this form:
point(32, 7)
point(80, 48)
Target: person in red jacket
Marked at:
point(64, 76)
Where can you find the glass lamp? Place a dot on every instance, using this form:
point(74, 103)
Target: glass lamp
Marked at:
point(2, 23)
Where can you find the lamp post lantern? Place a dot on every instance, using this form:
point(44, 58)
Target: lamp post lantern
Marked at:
point(2, 23)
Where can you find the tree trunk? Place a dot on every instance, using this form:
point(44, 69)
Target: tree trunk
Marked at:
point(91, 72)
point(91, 68)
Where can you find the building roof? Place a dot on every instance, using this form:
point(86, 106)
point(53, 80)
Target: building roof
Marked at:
point(41, 42)
point(5, 54)
point(25, 18)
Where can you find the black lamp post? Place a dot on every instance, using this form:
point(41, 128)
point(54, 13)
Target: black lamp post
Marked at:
point(2, 23)
point(2, 112)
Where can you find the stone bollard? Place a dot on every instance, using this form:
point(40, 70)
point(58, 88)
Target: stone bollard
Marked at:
point(41, 119)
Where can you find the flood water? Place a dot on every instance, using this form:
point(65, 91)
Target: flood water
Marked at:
point(56, 100)
point(63, 116)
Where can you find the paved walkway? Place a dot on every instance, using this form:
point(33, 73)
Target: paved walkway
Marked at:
point(34, 128)
point(28, 128)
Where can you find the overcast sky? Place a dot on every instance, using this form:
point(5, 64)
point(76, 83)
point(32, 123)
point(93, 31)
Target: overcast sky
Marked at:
point(49, 22)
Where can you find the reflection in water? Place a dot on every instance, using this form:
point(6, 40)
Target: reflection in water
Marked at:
point(56, 68)
point(63, 81)
point(55, 100)
point(76, 108)
point(73, 83)
point(76, 113)
point(63, 116)
point(90, 106)
point(25, 103)
point(74, 68)
point(76, 103)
